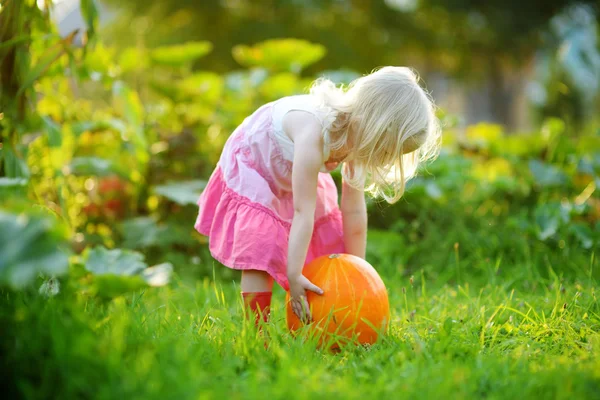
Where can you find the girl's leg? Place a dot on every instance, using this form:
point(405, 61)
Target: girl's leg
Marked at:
point(256, 293)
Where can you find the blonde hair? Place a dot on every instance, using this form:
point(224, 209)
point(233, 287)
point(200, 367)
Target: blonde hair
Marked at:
point(387, 124)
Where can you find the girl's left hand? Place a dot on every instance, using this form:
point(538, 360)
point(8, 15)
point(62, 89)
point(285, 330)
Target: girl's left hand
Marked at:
point(354, 217)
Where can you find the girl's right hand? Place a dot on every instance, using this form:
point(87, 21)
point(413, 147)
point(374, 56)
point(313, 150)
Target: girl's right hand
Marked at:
point(306, 133)
point(298, 288)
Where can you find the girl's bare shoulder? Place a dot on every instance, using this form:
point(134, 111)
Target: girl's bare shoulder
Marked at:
point(302, 126)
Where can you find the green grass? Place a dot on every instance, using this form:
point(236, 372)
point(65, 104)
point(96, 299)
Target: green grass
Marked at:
point(189, 341)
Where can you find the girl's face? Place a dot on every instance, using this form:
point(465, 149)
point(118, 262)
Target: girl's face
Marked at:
point(334, 160)
point(330, 166)
point(339, 156)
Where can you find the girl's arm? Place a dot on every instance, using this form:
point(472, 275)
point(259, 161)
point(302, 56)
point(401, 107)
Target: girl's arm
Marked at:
point(354, 218)
point(308, 158)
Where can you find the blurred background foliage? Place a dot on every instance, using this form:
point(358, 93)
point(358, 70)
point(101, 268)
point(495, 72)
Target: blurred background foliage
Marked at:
point(110, 129)
point(493, 52)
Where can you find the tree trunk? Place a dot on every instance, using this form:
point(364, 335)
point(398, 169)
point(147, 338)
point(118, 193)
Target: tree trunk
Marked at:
point(14, 63)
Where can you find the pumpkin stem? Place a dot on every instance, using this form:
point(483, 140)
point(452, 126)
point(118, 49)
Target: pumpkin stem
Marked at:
point(332, 256)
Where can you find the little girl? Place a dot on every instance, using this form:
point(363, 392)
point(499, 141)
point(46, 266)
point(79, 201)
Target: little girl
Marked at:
point(271, 205)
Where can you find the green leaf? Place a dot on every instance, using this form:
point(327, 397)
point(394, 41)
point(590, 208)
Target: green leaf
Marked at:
point(53, 132)
point(14, 166)
point(101, 261)
point(184, 192)
point(46, 60)
point(583, 233)
point(589, 164)
point(15, 41)
point(448, 324)
point(290, 55)
point(114, 124)
point(433, 190)
point(12, 182)
point(30, 245)
point(240, 82)
point(13, 191)
point(280, 85)
point(95, 166)
point(181, 54)
point(145, 232)
point(141, 232)
point(133, 59)
point(206, 87)
point(129, 104)
point(552, 127)
point(166, 89)
point(547, 219)
point(89, 12)
point(483, 135)
point(117, 271)
point(546, 175)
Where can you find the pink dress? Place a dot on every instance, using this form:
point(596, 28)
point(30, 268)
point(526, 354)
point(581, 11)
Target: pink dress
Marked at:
point(246, 208)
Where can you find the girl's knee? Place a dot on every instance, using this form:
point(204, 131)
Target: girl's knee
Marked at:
point(256, 281)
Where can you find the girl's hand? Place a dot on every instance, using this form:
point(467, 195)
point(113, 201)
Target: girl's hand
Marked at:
point(306, 132)
point(298, 288)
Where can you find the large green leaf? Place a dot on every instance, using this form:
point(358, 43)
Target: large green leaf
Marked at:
point(184, 192)
point(547, 225)
point(89, 12)
point(50, 56)
point(95, 166)
point(133, 59)
point(112, 285)
point(14, 165)
point(282, 84)
point(433, 190)
point(53, 132)
point(141, 232)
point(291, 55)
point(206, 87)
point(181, 54)
point(145, 232)
point(30, 245)
point(128, 103)
point(13, 188)
point(15, 41)
point(101, 261)
point(8, 183)
point(589, 164)
point(242, 81)
point(119, 271)
point(549, 218)
point(546, 175)
point(583, 233)
point(166, 88)
point(114, 124)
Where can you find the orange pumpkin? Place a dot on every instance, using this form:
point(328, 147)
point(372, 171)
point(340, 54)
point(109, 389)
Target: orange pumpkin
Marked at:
point(354, 302)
